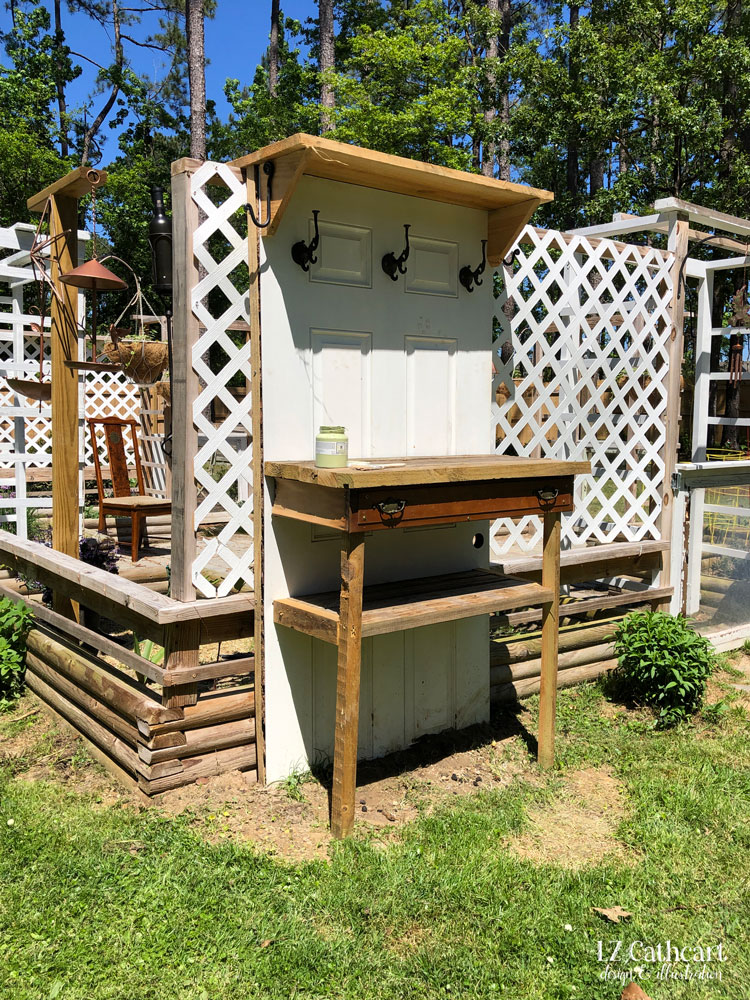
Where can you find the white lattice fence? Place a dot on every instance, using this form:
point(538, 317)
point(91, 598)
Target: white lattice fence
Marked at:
point(581, 348)
point(25, 425)
point(221, 358)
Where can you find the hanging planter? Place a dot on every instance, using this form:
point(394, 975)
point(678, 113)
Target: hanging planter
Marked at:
point(41, 391)
point(143, 361)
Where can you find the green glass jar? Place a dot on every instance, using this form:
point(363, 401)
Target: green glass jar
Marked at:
point(331, 448)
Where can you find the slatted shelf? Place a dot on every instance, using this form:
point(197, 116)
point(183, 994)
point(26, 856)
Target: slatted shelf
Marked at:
point(395, 607)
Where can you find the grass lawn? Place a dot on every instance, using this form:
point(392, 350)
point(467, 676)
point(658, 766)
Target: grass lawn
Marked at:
point(443, 907)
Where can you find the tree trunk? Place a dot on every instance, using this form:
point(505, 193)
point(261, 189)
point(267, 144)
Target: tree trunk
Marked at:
point(571, 160)
point(326, 62)
point(499, 98)
point(196, 57)
point(489, 150)
point(110, 102)
point(62, 110)
point(596, 175)
point(273, 50)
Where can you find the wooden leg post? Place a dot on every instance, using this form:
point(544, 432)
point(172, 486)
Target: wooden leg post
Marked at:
point(550, 624)
point(347, 686)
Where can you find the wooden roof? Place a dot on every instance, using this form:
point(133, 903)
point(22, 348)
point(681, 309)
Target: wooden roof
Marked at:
point(509, 205)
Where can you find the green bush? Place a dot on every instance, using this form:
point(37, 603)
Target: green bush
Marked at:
point(663, 663)
point(15, 622)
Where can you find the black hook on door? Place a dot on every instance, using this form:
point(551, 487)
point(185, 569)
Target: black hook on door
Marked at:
point(269, 168)
point(469, 278)
point(303, 253)
point(393, 265)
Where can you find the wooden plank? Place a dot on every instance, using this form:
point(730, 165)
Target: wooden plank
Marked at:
point(119, 773)
point(212, 708)
point(206, 740)
point(73, 630)
point(323, 505)
point(181, 655)
point(565, 678)
point(320, 157)
point(299, 615)
point(411, 603)
point(88, 727)
point(107, 684)
point(583, 555)
point(504, 226)
point(504, 673)
point(550, 624)
point(94, 707)
point(679, 244)
point(73, 186)
point(243, 759)
point(259, 488)
point(210, 671)
point(347, 686)
point(185, 389)
point(64, 347)
point(424, 471)
point(586, 605)
point(226, 628)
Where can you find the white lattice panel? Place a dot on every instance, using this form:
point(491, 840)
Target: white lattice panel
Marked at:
point(582, 330)
point(222, 464)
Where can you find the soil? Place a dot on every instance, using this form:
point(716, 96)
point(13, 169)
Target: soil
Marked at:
point(575, 828)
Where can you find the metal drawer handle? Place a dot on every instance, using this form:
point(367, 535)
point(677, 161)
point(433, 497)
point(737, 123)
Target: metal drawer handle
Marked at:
point(390, 507)
point(547, 496)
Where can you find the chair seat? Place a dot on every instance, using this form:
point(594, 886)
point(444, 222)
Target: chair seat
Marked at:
point(152, 504)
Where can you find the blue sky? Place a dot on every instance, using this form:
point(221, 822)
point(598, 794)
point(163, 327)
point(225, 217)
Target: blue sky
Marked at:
point(236, 39)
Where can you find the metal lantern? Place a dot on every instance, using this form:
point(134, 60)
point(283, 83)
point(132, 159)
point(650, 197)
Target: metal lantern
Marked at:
point(160, 238)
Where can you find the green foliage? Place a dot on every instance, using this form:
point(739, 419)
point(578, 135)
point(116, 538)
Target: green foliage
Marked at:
point(15, 622)
point(663, 663)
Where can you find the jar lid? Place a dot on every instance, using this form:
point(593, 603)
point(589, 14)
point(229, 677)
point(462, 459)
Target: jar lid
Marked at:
point(332, 430)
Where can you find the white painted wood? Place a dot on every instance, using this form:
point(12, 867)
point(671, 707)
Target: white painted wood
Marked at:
point(427, 354)
point(587, 341)
point(344, 254)
point(433, 267)
point(430, 395)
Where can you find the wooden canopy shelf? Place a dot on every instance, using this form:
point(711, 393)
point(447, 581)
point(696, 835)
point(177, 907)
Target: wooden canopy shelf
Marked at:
point(395, 607)
point(510, 206)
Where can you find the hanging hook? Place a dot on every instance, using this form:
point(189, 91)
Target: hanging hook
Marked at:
point(304, 253)
point(467, 277)
point(393, 265)
point(269, 168)
point(508, 261)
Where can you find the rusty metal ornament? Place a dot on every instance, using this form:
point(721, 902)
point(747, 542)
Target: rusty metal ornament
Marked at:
point(94, 277)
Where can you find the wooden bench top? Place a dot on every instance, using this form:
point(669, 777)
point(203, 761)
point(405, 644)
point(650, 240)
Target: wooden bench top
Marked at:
point(426, 471)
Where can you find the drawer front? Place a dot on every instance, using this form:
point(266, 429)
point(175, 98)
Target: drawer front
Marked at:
point(444, 503)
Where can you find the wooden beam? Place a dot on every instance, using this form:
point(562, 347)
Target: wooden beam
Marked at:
point(185, 388)
point(74, 185)
point(550, 625)
point(181, 654)
point(347, 686)
point(64, 347)
point(504, 225)
point(679, 245)
point(259, 487)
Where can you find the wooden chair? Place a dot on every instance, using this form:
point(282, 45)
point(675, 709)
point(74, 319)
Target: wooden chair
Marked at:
point(123, 504)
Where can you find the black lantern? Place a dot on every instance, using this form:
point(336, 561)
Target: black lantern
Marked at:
point(160, 238)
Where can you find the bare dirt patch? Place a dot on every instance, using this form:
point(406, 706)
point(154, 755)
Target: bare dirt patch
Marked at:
point(578, 828)
point(288, 820)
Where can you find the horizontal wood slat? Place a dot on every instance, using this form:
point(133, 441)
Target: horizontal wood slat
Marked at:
point(411, 603)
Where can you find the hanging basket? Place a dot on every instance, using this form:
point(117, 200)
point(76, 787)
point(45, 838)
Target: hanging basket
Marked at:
point(143, 361)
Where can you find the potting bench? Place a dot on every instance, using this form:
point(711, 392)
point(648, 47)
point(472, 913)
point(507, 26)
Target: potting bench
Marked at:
point(381, 495)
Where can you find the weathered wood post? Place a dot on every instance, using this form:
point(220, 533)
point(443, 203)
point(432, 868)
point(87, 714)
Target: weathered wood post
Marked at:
point(63, 197)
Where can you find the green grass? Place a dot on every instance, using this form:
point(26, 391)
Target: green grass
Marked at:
point(443, 910)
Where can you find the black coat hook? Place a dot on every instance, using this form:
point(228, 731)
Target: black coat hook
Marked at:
point(393, 265)
point(304, 253)
point(467, 277)
point(269, 168)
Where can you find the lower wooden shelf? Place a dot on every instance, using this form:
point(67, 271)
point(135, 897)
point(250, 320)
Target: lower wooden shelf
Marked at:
point(395, 607)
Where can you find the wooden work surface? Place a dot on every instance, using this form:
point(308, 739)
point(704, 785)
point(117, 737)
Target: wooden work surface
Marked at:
point(427, 471)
